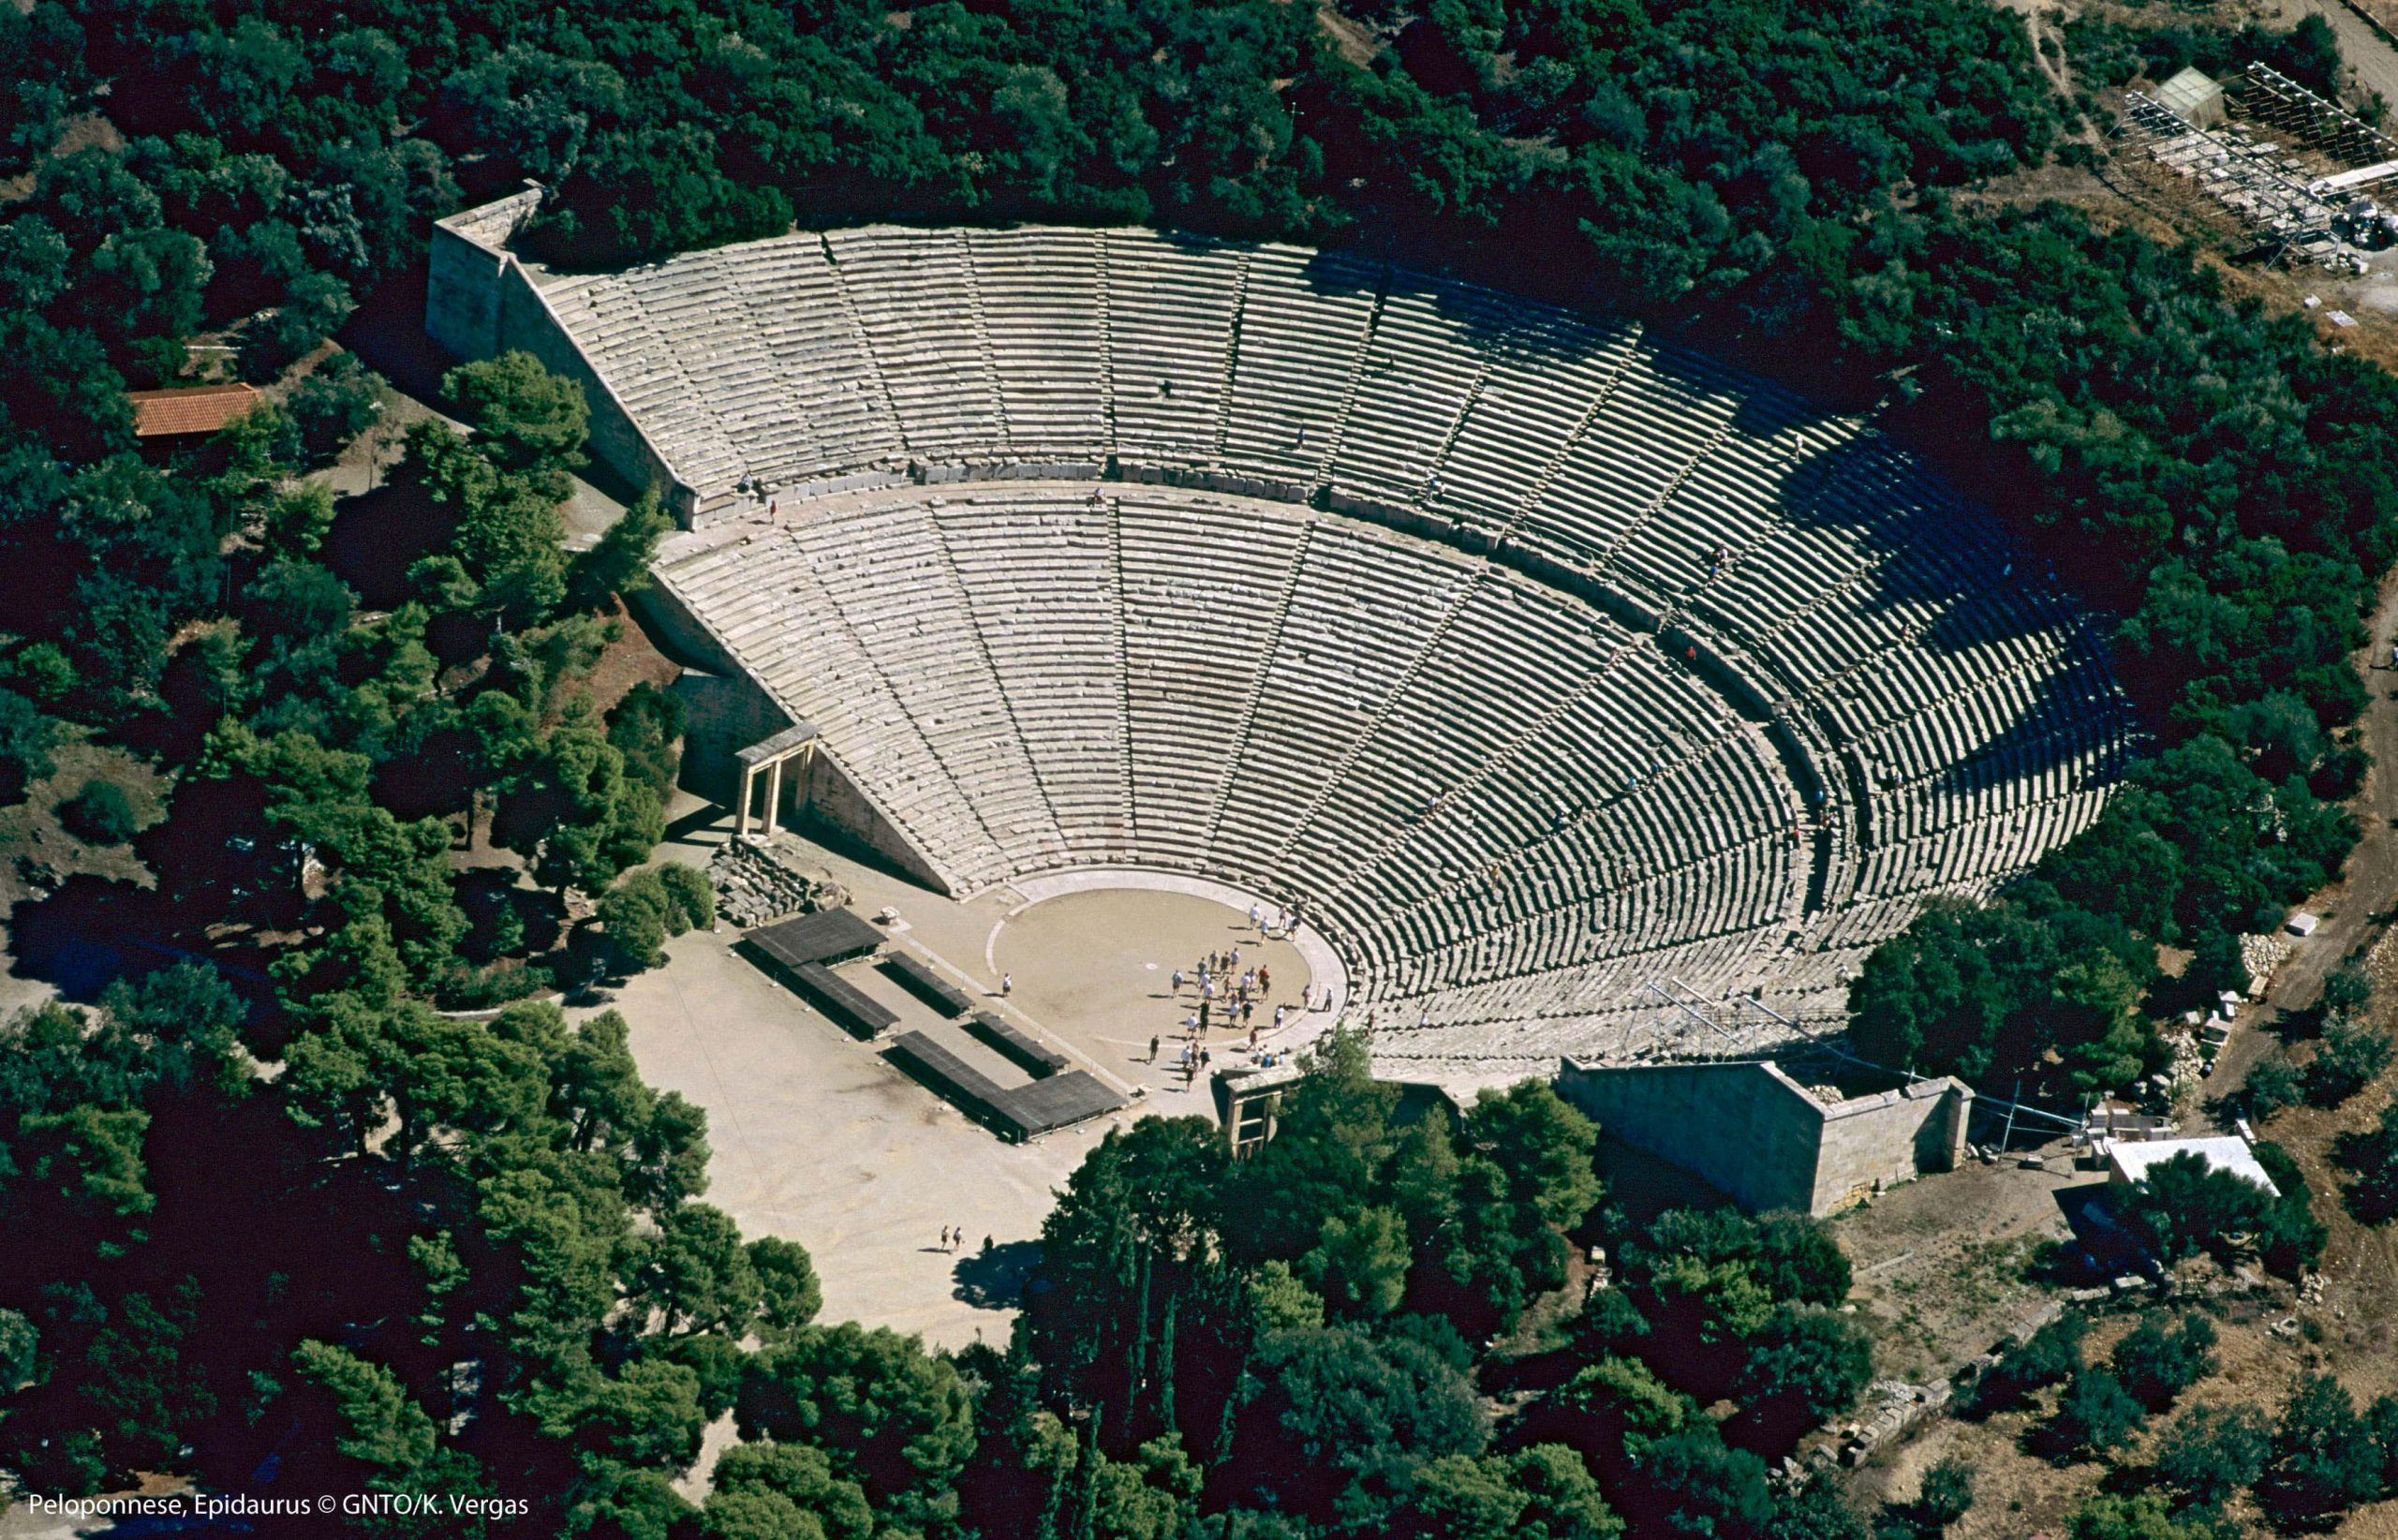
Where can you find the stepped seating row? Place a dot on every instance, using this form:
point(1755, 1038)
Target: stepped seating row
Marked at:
point(1653, 470)
point(1229, 356)
point(1033, 679)
point(1480, 784)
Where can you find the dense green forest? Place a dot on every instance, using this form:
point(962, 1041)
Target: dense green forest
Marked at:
point(274, 1221)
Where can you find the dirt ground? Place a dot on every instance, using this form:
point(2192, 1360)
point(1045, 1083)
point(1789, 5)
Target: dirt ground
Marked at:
point(1935, 1291)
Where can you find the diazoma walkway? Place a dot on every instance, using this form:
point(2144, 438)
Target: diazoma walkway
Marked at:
point(1547, 671)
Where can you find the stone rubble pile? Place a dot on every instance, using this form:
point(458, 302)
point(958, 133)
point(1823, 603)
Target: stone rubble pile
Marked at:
point(755, 887)
point(2260, 956)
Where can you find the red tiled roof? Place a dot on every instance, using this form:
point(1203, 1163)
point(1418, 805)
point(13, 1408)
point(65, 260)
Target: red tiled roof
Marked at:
point(198, 408)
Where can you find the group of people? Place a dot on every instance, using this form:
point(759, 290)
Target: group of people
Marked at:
point(1230, 996)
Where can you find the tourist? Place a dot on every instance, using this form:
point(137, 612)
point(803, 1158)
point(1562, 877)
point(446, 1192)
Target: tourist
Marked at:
point(956, 1237)
point(1007, 984)
point(1178, 981)
point(1189, 1024)
point(1252, 916)
point(1153, 1048)
point(1264, 981)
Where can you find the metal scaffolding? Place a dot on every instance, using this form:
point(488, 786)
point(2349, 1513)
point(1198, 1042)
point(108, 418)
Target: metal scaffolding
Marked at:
point(2252, 177)
point(2266, 97)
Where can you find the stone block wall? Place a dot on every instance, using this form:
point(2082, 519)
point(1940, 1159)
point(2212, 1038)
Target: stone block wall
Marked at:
point(1888, 1137)
point(468, 259)
point(480, 300)
point(723, 715)
point(1751, 1131)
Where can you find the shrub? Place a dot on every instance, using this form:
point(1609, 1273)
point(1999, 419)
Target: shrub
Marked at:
point(2097, 1414)
point(646, 907)
point(2156, 1365)
point(2188, 1207)
point(2323, 1460)
point(99, 814)
point(2213, 1452)
point(690, 903)
point(645, 725)
point(2271, 1085)
point(2292, 1238)
point(1808, 1363)
point(26, 738)
point(2353, 1056)
point(2143, 1517)
point(2347, 992)
point(2050, 1355)
point(2372, 1156)
point(332, 406)
point(1943, 1496)
point(2381, 1422)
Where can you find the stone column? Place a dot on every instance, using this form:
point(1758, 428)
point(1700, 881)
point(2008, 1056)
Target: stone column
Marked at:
point(741, 807)
point(773, 798)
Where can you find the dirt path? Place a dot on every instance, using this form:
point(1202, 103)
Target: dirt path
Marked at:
point(2054, 70)
point(2360, 903)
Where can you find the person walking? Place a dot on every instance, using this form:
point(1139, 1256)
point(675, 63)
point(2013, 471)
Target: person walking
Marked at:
point(1007, 984)
point(1178, 981)
point(1153, 1048)
point(1264, 981)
